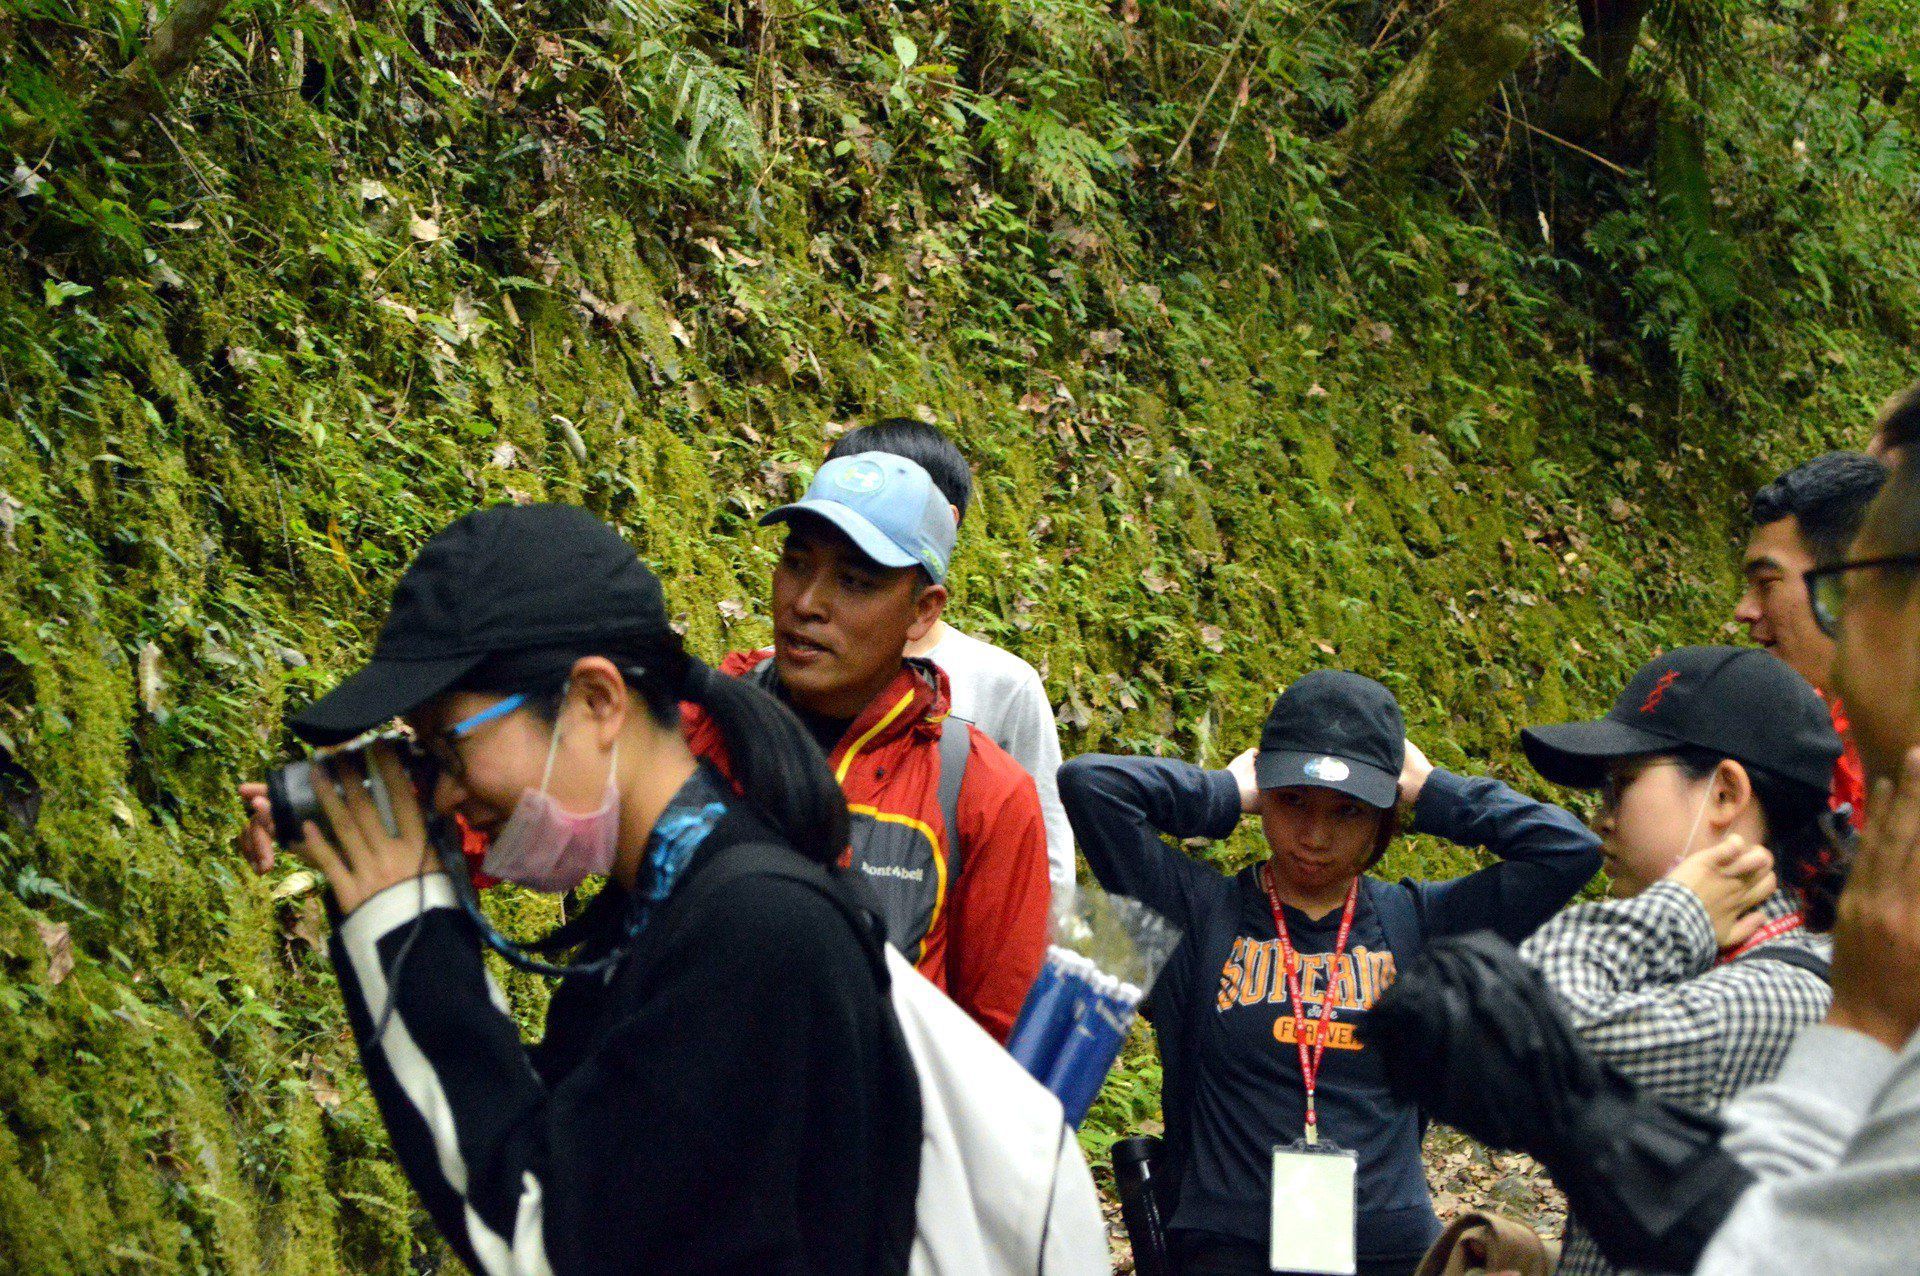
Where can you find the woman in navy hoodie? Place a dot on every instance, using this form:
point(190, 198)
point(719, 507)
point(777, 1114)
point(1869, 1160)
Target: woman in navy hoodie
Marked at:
point(1282, 961)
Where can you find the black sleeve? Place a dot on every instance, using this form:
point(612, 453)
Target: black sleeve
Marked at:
point(673, 1144)
point(1120, 808)
point(1546, 856)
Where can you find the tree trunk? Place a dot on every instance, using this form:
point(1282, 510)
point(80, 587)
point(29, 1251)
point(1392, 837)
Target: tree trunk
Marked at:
point(1587, 97)
point(173, 45)
point(1477, 44)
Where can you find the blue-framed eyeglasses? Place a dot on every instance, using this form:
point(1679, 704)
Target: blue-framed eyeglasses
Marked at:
point(444, 752)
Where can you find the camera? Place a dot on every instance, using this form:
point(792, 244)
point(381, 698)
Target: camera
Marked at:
point(290, 789)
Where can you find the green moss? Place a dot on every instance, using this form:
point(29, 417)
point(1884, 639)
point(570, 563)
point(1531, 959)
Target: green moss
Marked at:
point(1228, 427)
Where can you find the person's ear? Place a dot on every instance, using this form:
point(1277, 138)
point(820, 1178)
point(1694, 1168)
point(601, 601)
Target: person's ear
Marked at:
point(927, 607)
point(956, 515)
point(1731, 794)
point(599, 689)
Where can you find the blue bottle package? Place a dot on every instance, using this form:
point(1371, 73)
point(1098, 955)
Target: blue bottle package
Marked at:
point(1047, 1016)
point(1092, 1045)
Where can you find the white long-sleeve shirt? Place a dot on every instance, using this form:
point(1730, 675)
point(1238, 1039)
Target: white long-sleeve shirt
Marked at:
point(1002, 694)
point(1835, 1139)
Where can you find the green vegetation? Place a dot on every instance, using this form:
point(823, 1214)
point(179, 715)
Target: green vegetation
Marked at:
point(1238, 409)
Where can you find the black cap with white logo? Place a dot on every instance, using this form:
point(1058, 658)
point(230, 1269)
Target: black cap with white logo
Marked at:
point(1741, 702)
point(1334, 730)
point(508, 579)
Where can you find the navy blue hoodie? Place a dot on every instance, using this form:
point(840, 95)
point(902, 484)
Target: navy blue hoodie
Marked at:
point(1232, 1088)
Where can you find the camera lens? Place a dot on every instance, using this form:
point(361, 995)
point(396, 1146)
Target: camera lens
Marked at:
point(291, 800)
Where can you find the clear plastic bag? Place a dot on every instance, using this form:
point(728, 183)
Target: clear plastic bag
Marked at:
point(1102, 964)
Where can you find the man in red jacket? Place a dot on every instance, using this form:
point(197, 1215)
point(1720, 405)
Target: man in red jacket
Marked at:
point(1801, 520)
point(861, 576)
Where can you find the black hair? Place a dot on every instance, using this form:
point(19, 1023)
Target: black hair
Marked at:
point(1895, 523)
point(1899, 423)
point(775, 762)
point(925, 445)
point(1805, 858)
point(1829, 496)
point(1383, 837)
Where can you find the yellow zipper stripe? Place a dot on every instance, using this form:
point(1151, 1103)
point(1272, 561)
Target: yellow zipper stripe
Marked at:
point(846, 760)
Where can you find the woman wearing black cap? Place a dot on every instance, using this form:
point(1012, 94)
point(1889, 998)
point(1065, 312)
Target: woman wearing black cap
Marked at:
point(1256, 1012)
point(727, 1090)
point(1700, 972)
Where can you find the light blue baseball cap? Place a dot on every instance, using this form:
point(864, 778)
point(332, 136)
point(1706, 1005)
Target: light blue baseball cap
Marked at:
point(887, 505)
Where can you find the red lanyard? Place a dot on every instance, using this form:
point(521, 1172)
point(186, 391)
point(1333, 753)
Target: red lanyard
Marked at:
point(1765, 935)
point(1310, 1059)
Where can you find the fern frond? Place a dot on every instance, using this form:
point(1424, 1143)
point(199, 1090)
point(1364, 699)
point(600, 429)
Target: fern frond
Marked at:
point(707, 99)
point(651, 17)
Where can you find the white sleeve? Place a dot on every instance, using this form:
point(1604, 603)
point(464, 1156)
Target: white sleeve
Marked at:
point(1849, 1199)
point(1800, 1122)
point(1033, 740)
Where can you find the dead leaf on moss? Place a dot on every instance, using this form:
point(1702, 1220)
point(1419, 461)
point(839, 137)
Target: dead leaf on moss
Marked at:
point(325, 1092)
point(309, 926)
point(151, 684)
point(424, 229)
point(59, 945)
point(613, 314)
point(294, 884)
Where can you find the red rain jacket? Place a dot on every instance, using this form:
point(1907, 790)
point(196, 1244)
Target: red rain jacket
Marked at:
point(981, 938)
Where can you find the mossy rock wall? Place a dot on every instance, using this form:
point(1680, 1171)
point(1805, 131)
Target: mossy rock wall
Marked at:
point(1228, 426)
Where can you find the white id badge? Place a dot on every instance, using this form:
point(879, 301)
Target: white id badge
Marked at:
point(1313, 1210)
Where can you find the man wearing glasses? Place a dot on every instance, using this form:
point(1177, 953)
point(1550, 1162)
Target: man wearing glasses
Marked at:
point(1835, 1138)
point(1802, 520)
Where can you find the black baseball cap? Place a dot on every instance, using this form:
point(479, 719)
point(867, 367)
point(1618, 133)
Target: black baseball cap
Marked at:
point(501, 580)
point(1334, 730)
point(1740, 702)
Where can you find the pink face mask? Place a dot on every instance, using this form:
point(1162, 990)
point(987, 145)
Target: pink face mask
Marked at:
point(547, 847)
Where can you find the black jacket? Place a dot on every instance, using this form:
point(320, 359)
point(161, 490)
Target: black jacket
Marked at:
point(733, 1097)
point(1232, 1088)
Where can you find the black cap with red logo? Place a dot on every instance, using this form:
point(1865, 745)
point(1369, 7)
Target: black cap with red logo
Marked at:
point(1739, 702)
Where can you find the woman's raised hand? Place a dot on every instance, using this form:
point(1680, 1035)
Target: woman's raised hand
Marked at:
point(359, 857)
point(1732, 878)
point(1413, 774)
point(256, 840)
point(1241, 769)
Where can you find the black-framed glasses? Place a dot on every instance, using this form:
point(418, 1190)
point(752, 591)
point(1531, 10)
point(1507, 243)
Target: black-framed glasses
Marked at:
point(1827, 587)
point(1617, 780)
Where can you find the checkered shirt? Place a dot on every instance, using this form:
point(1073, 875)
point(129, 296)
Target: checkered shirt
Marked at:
point(1639, 981)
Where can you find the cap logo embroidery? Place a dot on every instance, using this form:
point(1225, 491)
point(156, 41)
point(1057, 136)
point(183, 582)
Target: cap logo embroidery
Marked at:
point(1659, 691)
point(1328, 770)
point(864, 476)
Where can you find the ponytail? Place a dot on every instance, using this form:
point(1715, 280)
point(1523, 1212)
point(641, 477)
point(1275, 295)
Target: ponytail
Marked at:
point(776, 763)
point(1807, 858)
point(1810, 853)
